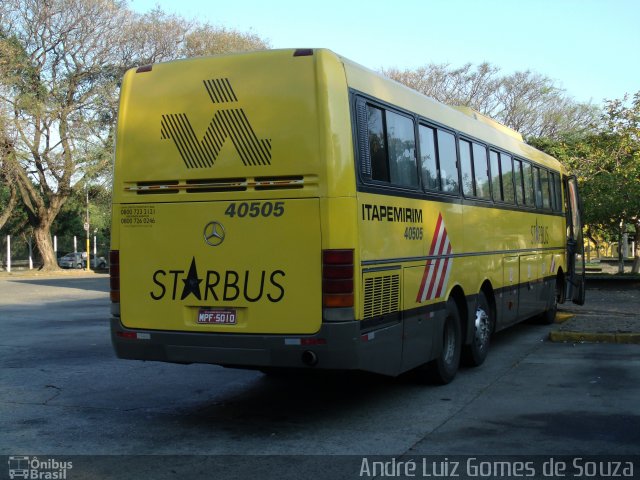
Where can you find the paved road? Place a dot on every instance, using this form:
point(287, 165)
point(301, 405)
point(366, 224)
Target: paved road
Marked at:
point(63, 392)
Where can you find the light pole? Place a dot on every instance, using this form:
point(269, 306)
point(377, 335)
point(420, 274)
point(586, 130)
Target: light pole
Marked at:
point(86, 227)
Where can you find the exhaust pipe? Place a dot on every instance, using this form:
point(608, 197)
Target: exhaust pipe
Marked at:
point(309, 358)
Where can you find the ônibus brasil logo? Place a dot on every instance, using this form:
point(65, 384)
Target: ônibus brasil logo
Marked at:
point(226, 123)
point(22, 466)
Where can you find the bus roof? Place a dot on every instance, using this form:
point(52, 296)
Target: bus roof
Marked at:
point(461, 118)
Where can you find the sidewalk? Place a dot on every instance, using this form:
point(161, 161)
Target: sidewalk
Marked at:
point(35, 273)
point(611, 314)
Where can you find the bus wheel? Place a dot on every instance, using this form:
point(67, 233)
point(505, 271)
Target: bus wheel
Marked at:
point(549, 315)
point(443, 369)
point(475, 353)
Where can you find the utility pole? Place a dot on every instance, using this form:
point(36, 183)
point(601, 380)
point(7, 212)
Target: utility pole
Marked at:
point(86, 227)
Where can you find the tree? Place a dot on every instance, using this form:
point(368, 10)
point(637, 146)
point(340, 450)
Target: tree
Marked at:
point(61, 62)
point(54, 81)
point(8, 197)
point(8, 190)
point(157, 36)
point(205, 39)
point(615, 173)
point(466, 85)
point(607, 162)
point(525, 101)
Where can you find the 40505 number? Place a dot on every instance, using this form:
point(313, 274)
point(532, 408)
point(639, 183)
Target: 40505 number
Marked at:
point(255, 209)
point(413, 233)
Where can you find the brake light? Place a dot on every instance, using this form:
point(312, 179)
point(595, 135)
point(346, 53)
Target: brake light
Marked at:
point(130, 335)
point(337, 278)
point(114, 276)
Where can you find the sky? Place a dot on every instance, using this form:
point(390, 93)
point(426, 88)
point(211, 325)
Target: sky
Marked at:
point(589, 48)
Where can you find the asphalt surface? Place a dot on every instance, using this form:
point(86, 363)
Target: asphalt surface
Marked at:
point(63, 393)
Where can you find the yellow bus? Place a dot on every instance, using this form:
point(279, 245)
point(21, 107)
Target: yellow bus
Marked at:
point(292, 209)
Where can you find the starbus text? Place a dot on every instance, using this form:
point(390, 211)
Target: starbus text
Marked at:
point(228, 285)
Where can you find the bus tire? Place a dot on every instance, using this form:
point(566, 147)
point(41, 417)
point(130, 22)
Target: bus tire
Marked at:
point(549, 315)
point(476, 352)
point(443, 369)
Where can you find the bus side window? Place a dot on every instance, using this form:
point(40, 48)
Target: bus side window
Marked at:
point(506, 167)
point(430, 178)
point(558, 192)
point(401, 143)
point(377, 144)
point(552, 189)
point(518, 178)
point(544, 182)
point(465, 168)
point(537, 186)
point(496, 179)
point(481, 171)
point(528, 185)
point(448, 163)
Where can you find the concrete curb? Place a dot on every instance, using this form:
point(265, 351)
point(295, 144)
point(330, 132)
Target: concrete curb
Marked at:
point(562, 317)
point(45, 274)
point(602, 324)
point(591, 337)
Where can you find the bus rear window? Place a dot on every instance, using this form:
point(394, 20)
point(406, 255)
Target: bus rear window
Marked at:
point(377, 145)
point(392, 147)
point(402, 150)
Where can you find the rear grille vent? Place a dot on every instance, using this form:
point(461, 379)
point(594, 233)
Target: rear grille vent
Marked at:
point(222, 185)
point(217, 185)
point(381, 295)
point(278, 183)
point(149, 188)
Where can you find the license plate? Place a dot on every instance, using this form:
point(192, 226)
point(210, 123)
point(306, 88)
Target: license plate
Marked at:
point(217, 317)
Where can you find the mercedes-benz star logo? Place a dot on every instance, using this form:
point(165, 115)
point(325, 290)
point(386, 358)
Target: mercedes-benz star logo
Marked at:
point(213, 234)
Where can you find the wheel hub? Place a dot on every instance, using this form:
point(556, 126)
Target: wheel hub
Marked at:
point(482, 327)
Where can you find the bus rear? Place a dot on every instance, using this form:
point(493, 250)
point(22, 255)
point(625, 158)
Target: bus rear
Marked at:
point(227, 170)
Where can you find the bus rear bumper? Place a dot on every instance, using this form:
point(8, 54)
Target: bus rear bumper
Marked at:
point(337, 346)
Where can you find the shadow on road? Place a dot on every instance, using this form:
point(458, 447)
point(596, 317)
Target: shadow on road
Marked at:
point(99, 283)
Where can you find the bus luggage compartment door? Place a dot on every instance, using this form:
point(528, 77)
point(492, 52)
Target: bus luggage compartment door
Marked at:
point(225, 267)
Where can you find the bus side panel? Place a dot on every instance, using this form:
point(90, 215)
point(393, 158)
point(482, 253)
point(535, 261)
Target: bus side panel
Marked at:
point(406, 248)
point(530, 285)
point(420, 324)
point(508, 304)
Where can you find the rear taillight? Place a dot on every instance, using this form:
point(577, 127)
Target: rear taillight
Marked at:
point(337, 278)
point(114, 275)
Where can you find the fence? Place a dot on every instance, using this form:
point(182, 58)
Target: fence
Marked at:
point(19, 252)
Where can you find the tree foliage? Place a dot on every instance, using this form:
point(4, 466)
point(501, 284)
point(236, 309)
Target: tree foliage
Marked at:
point(8, 190)
point(61, 62)
point(157, 36)
point(607, 162)
point(525, 101)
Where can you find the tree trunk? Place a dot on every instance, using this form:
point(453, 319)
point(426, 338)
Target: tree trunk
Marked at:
point(13, 201)
point(42, 234)
point(595, 242)
point(636, 257)
point(620, 249)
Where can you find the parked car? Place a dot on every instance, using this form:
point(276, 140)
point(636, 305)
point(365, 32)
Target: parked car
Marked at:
point(99, 262)
point(71, 260)
point(79, 260)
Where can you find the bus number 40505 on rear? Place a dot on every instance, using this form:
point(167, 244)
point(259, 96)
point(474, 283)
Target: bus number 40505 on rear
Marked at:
point(255, 209)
